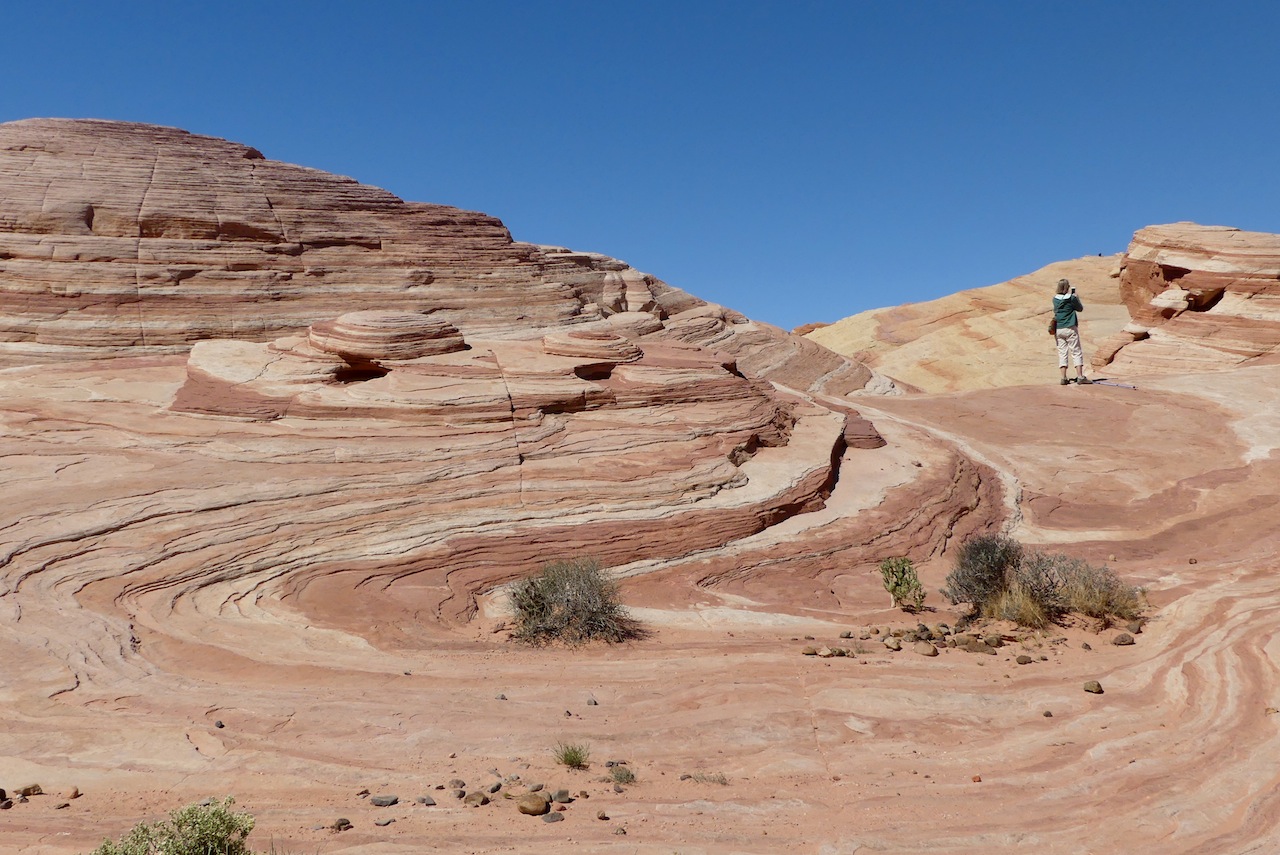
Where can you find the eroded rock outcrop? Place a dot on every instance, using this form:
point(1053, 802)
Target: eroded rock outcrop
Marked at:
point(983, 338)
point(121, 239)
point(1202, 298)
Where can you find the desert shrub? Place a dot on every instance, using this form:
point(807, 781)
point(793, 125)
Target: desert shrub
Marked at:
point(573, 755)
point(902, 584)
point(1098, 592)
point(207, 829)
point(1034, 589)
point(570, 601)
point(983, 571)
point(1017, 604)
point(622, 775)
point(1039, 577)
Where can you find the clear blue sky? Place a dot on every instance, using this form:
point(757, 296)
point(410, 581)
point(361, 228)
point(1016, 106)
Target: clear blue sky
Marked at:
point(797, 161)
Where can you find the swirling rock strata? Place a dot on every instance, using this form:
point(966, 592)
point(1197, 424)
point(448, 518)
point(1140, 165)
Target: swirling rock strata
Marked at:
point(121, 239)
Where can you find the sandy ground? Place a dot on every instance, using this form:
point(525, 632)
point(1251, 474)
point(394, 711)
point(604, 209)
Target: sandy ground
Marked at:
point(321, 695)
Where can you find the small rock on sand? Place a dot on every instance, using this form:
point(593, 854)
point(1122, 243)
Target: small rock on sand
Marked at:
point(1093, 687)
point(532, 804)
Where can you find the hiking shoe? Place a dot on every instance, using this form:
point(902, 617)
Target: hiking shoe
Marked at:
point(1064, 381)
point(1084, 381)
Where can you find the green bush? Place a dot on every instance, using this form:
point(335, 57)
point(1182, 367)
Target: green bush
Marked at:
point(622, 775)
point(902, 584)
point(570, 601)
point(574, 755)
point(209, 829)
point(1000, 580)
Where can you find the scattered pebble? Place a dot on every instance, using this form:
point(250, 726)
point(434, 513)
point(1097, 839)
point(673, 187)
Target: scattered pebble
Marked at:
point(601, 815)
point(1048, 714)
point(1084, 645)
point(977, 779)
point(341, 824)
point(476, 799)
point(619, 831)
point(427, 801)
point(495, 786)
point(384, 822)
point(1124, 639)
point(1024, 660)
point(499, 697)
point(1093, 687)
point(384, 801)
point(218, 724)
point(553, 817)
point(592, 702)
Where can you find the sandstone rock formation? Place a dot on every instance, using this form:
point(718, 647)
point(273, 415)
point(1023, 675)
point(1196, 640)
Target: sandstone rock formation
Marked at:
point(1202, 298)
point(270, 562)
point(984, 338)
point(121, 239)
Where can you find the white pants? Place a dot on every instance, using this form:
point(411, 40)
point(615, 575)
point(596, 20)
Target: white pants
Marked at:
point(1068, 339)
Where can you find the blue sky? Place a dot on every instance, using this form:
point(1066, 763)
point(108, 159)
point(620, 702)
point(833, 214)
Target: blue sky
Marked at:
point(797, 161)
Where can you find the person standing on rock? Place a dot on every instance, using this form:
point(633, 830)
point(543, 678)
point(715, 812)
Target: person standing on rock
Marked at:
point(1067, 330)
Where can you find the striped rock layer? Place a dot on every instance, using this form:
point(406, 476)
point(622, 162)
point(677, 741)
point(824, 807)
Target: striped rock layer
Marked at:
point(1202, 298)
point(120, 239)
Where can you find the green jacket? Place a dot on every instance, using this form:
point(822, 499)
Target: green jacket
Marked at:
point(1065, 307)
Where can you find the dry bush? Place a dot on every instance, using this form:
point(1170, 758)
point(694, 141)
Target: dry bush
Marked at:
point(571, 601)
point(1017, 604)
point(984, 566)
point(1097, 592)
point(1034, 589)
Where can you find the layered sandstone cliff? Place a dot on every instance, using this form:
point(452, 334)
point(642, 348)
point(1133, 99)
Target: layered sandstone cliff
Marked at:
point(121, 239)
point(1202, 298)
point(984, 338)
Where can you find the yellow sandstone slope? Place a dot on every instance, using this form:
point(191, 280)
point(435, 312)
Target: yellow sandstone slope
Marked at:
point(983, 338)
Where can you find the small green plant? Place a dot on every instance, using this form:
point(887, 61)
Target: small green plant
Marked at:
point(902, 583)
point(573, 755)
point(621, 775)
point(571, 601)
point(205, 829)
